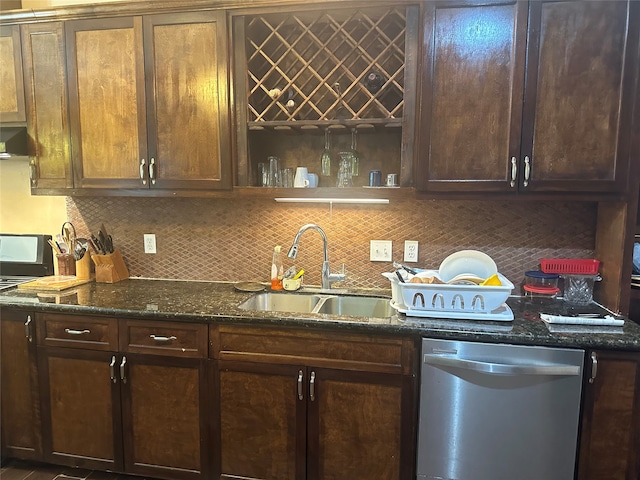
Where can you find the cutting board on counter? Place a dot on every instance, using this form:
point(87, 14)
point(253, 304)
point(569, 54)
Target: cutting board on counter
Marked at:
point(54, 283)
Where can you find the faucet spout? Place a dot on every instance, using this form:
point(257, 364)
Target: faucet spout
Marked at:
point(327, 277)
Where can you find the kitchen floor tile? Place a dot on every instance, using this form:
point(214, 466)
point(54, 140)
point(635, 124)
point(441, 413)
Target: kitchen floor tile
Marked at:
point(25, 470)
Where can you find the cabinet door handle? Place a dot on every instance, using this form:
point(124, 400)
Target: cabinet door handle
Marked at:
point(300, 386)
point(514, 171)
point(143, 162)
point(112, 369)
point(594, 367)
point(76, 332)
point(312, 386)
point(161, 339)
point(527, 171)
point(123, 377)
point(33, 173)
point(152, 171)
point(27, 329)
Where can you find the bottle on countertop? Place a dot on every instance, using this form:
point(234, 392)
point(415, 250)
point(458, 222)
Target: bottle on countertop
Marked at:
point(277, 268)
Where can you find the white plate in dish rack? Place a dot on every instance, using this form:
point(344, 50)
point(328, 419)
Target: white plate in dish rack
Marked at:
point(501, 314)
point(472, 262)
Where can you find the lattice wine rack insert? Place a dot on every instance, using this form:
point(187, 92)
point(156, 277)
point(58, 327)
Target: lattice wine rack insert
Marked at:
point(326, 65)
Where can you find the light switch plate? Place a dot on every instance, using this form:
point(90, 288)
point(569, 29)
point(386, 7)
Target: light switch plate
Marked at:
point(410, 251)
point(380, 250)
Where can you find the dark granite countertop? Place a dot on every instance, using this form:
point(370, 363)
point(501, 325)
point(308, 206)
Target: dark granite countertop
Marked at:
point(217, 302)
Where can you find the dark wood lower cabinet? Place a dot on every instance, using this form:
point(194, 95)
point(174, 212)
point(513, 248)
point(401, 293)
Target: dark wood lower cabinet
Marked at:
point(141, 397)
point(19, 402)
point(314, 406)
point(163, 423)
point(262, 422)
point(81, 415)
point(357, 427)
point(107, 404)
point(282, 422)
point(610, 439)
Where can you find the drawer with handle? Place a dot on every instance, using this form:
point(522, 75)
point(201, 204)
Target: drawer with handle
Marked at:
point(77, 331)
point(164, 338)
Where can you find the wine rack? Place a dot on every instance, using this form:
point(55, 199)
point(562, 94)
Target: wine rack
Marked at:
point(317, 68)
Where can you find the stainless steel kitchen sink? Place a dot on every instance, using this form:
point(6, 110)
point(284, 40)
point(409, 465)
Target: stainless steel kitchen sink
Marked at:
point(281, 302)
point(357, 306)
point(347, 305)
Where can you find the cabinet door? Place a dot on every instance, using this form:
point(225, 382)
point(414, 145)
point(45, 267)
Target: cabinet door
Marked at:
point(81, 418)
point(20, 422)
point(473, 72)
point(581, 62)
point(48, 119)
point(107, 102)
point(262, 421)
point(163, 422)
point(610, 438)
point(358, 428)
point(187, 109)
point(11, 79)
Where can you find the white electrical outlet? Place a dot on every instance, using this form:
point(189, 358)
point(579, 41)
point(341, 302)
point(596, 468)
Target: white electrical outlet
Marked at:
point(410, 251)
point(149, 243)
point(380, 250)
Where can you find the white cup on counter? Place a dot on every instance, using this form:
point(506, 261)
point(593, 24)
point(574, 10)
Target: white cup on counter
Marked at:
point(301, 179)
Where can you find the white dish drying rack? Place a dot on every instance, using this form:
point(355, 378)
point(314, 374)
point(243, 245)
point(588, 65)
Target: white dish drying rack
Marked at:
point(472, 302)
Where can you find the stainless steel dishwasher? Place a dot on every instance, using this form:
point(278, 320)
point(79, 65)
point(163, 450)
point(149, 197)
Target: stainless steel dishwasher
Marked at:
point(498, 412)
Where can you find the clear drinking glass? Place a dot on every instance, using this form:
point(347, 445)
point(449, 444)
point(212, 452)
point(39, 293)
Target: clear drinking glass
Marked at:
point(355, 156)
point(262, 179)
point(287, 177)
point(325, 159)
point(274, 172)
point(344, 172)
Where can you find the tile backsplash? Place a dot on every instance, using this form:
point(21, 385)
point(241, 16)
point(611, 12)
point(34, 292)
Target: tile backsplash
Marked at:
point(233, 239)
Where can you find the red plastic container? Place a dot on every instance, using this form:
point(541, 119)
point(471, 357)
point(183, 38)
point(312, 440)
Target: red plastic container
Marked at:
point(570, 266)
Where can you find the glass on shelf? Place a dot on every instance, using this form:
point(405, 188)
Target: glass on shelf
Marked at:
point(344, 172)
point(355, 156)
point(325, 159)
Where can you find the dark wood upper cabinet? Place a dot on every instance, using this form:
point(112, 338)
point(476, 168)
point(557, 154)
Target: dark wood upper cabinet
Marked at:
point(148, 101)
point(12, 107)
point(47, 105)
point(527, 96)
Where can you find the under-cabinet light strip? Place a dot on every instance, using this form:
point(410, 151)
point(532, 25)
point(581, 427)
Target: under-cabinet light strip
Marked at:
point(370, 201)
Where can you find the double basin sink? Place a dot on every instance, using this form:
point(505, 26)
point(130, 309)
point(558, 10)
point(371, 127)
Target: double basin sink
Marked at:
point(328, 304)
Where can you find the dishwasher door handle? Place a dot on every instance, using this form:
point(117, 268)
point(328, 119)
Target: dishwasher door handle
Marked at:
point(500, 368)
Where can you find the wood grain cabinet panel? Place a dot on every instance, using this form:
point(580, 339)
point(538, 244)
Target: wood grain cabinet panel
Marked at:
point(163, 407)
point(147, 103)
point(80, 408)
point(356, 426)
point(164, 338)
point(326, 408)
point(262, 422)
point(610, 438)
point(139, 409)
point(47, 105)
point(12, 106)
point(19, 407)
point(93, 333)
point(527, 96)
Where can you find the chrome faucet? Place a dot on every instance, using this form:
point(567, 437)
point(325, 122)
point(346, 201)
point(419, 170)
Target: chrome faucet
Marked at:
point(327, 277)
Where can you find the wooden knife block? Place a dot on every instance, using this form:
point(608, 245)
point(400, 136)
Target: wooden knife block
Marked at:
point(110, 268)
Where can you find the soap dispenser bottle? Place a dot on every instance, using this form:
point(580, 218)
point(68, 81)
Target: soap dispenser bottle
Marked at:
point(277, 268)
